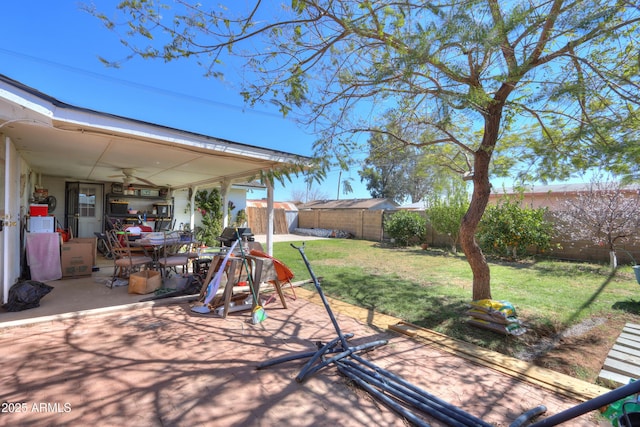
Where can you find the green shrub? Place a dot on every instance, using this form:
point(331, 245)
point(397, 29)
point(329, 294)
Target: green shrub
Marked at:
point(406, 227)
point(508, 229)
point(209, 205)
point(445, 213)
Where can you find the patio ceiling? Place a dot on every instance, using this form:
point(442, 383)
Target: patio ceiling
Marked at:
point(62, 140)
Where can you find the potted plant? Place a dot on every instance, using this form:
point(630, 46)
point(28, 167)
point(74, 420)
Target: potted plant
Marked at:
point(636, 267)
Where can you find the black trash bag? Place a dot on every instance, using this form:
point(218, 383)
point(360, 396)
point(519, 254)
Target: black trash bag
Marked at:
point(26, 294)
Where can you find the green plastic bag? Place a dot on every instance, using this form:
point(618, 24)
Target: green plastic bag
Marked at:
point(615, 410)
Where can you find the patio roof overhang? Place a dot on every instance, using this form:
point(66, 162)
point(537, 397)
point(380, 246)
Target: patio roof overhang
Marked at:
point(63, 140)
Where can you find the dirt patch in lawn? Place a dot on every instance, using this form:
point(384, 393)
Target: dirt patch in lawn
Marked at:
point(579, 351)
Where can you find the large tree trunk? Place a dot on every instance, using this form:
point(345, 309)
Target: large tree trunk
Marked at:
point(468, 227)
point(479, 201)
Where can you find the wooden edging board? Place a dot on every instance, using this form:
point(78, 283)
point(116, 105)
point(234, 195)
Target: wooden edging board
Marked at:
point(557, 382)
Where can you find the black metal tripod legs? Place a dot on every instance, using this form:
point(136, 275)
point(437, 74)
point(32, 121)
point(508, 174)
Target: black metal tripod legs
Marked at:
point(338, 346)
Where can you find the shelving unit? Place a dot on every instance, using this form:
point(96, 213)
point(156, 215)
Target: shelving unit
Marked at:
point(155, 208)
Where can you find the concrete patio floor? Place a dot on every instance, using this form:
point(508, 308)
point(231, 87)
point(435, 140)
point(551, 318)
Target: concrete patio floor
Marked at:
point(74, 297)
point(77, 360)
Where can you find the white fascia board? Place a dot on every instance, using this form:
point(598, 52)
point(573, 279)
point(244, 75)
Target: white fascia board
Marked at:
point(105, 123)
point(77, 118)
point(28, 102)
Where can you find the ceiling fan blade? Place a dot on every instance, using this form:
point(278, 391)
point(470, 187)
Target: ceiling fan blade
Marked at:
point(115, 176)
point(145, 181)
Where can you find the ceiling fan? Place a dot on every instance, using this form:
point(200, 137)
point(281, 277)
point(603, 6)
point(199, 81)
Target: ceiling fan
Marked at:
point(128, 177)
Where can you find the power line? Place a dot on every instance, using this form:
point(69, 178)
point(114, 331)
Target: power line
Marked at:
point(138, 85)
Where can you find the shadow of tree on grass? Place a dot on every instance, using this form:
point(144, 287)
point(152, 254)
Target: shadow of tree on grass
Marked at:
point(628, 306)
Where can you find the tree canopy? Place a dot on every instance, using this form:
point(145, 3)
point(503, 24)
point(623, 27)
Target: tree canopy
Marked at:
point(389, 169)
point(524, 88)
point(399, 171)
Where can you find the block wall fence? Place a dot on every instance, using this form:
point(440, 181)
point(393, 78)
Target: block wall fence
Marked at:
point(368, 225)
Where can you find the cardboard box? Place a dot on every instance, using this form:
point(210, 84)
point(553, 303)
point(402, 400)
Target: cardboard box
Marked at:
point(93, 241)
point(77, 257)
point(144, 282)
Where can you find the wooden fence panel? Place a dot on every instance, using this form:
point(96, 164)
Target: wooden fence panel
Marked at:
point(257, 220)
point(363, 224)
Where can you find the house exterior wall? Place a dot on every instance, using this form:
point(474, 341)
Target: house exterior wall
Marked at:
point(181, 213)
point(553, 200)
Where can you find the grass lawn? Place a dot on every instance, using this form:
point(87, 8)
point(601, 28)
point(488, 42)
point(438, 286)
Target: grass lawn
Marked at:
point(432, 288)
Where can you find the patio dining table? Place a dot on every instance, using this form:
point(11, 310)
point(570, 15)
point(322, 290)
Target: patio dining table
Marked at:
point(154, 243)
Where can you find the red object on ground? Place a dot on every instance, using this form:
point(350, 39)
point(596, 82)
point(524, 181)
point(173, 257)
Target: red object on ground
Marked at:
point(64, 234)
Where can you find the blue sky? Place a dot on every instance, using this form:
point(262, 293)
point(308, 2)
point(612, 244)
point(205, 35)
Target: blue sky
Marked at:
point(53, 46)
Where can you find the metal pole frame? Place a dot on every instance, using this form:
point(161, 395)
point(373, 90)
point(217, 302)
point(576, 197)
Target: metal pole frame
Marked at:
point(394, 391)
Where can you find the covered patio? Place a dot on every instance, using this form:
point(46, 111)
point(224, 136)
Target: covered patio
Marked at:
point(41, 137)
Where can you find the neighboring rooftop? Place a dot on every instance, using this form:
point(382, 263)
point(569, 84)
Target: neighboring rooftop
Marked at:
point(371, 204)
point(555, 188)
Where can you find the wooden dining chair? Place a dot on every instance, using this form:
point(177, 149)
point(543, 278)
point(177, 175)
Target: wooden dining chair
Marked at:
point(125, 261)
point(171, 257)
point(190, 248)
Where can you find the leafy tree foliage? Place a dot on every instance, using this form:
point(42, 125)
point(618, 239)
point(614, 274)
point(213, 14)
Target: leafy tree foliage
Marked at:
point(509, 228)
point(548, 87)
point(607, 214)
point(386, 169)
point(445, 213)
point(398, 171)
point(406, 227)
